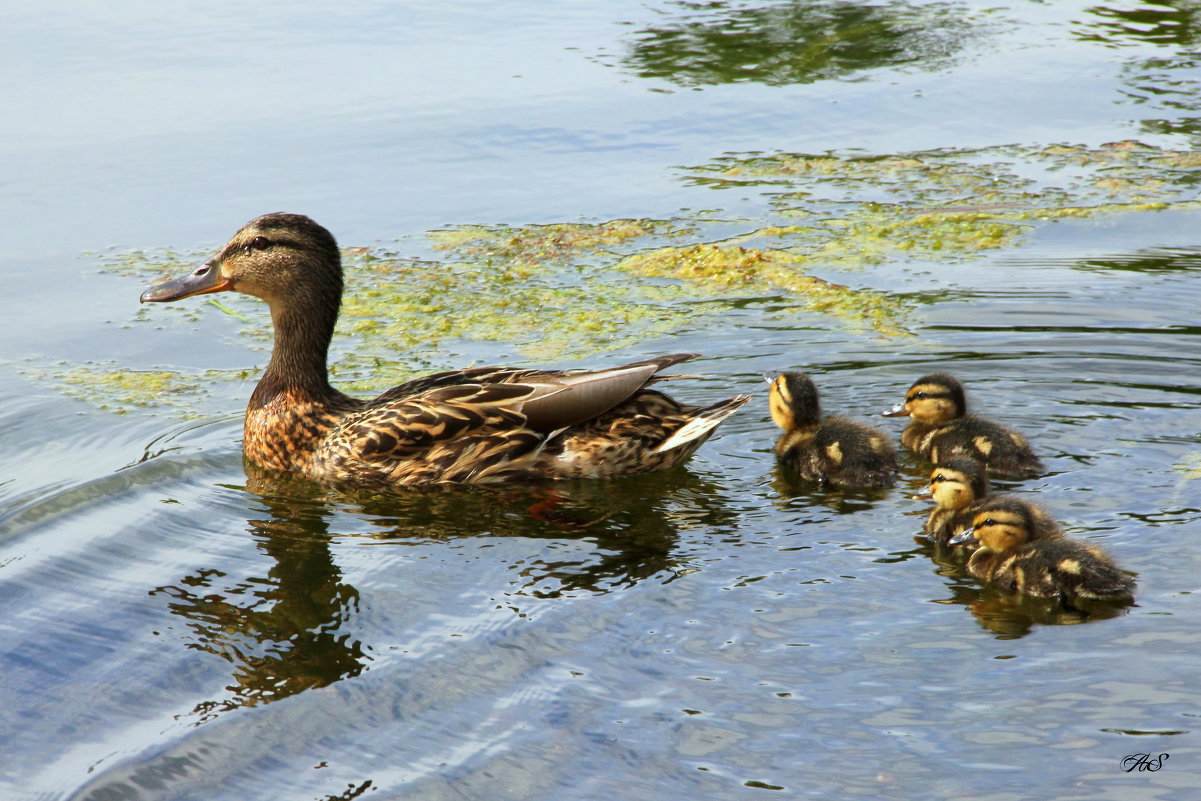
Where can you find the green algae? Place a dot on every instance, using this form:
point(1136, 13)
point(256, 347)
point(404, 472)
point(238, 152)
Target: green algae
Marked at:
point(722, 270)
point(557, 243)
point(117, 389)
point(397, 309)
point(945, 205)
point(565, 290)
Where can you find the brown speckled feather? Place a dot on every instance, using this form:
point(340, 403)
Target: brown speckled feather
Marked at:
point(472, 433)
point(650, 431)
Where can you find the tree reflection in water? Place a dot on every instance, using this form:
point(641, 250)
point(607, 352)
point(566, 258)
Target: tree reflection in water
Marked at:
point(796, 42)
point(1168, 80)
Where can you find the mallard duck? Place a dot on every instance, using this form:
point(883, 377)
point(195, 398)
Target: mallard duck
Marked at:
point(940, 428)
point(958, 486)
point(836, 450)
point(955, 487)
point(1014, 556)
point(477, 425)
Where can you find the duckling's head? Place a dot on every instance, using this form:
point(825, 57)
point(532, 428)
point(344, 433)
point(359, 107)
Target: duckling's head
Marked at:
point(793, 401)
point(284, 259)
point(999, 525)
point(956, 483)
point(934, 398)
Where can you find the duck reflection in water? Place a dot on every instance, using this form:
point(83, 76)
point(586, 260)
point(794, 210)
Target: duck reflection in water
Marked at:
point(292, 629)
point(1011, 615)
point(634, 523)
point(281, 631)
point(1010, 609)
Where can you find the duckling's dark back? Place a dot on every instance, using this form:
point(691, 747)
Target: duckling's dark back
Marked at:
point(1002, 449)
point(1063, 568)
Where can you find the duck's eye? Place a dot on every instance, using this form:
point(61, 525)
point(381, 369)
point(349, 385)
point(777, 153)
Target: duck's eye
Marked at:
point(917, 396)
point(987, 522)
point(258, 243)
point(939, 477)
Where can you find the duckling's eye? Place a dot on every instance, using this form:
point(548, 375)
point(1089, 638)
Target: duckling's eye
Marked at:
point(939, 477)
point(258, 243)
point(917, 396)
point(988, 522)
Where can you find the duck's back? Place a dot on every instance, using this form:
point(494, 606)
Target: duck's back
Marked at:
point(1002, 450)
point(842, 452)
point(1056, 568)
point(493, 425)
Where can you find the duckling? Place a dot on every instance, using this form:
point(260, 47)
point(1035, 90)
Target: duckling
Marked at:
point(940, 428)
point(835, 450)
point(958, 486)
point(1013, 556)
point(474, 426)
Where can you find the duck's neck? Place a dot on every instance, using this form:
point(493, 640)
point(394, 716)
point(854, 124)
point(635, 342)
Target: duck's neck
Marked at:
point(297, 369)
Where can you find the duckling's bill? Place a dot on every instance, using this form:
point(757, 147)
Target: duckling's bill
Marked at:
point(965, 537)
point(201, 281)
point(896, 411)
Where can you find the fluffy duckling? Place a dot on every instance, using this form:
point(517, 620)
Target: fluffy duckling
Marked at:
point(835, 450)
point(958, 486)
point(940, 429)
point(1013, 556)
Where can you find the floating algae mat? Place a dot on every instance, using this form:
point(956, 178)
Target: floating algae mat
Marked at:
point(563, 291)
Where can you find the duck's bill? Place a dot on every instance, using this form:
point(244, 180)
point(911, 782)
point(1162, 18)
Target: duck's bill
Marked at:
point(896, 411)
point(199, 282)
point(924, 494)
point(965, 537)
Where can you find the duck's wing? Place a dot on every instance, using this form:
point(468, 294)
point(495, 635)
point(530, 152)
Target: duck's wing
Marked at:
point(456, 404)
point(402, 428)
point(583, 395)
point(548, 400)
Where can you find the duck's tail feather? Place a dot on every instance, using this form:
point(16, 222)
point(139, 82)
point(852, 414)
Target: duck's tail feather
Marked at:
point(702, 423)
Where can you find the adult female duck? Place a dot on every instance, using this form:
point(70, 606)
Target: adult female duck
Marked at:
point(477, 425)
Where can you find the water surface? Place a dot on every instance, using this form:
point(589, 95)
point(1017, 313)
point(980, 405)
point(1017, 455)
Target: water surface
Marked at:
point(179, 625)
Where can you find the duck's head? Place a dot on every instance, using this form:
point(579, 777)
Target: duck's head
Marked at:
point(999, 525)
point(793, 401)
point(956, 483)
point(282, 258)
point(935, 398)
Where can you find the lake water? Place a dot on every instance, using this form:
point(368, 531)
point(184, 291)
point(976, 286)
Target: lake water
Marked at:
point(1008, 188)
